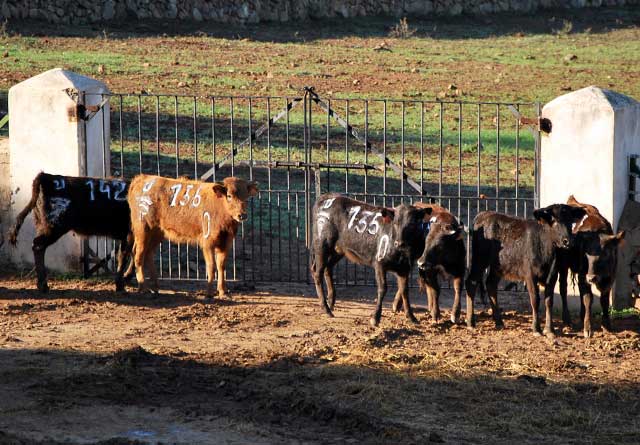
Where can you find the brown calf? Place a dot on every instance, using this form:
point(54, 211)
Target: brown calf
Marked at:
point(187, 211)
point(592, 259)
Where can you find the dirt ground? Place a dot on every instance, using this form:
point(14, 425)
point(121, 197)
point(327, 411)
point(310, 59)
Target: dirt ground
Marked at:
point(86, 365)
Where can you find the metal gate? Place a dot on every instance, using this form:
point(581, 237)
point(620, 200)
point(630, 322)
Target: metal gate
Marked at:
point(466, 156)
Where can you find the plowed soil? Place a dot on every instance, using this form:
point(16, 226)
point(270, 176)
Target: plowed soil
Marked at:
point(86, 365)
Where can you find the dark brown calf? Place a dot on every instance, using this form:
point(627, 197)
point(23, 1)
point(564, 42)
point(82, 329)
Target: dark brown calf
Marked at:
point(593, 259)
point(517, 249)
point(186, 211)
point(444, 255)
point(86, 206)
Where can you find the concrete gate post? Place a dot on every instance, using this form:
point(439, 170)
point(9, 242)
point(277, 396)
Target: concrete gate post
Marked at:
point(45, 134)
point(586, 154)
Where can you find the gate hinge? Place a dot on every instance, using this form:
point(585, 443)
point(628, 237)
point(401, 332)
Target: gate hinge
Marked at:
point(539, 123)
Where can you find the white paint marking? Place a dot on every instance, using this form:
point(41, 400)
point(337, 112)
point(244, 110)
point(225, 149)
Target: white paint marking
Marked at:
point(383, 247)
point(374, 225)
point(58, 184)
point(120, 187)
point(195, 202)
point(104, 187)
point(176, 189)
point(433, 219)
point(185, 199)
point(206, 218)
point(58, 206)
point(148, 185)
point(575, 227)
point(353, 211)
point(92, 196)
point(328, 203)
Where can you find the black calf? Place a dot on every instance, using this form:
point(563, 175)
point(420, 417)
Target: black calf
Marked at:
point(87, 206)
point(517, 249)
point(382, 238)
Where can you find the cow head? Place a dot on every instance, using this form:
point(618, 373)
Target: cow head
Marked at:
point(406, 229)
point(439, 241)
point(560, 219)
point(601, 255)
point(235, 192)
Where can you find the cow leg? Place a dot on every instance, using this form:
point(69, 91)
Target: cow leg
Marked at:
point(471, 285)
point(210, 263)
point(381, 282)
point(397, 301)
point(39, 247)
point(318, 266)
point(433, 296)
point(492, 290)
point(124, 253)
point(403, 287)
point(548, 305)
point(585, 305)
point(455, 310)
point(328, 279)
point(534, 299)
point(562, 276)
point(604, 304)
point(139, 258)
point(221, 258)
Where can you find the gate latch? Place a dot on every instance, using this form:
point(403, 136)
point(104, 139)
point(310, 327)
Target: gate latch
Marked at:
point(539, 123)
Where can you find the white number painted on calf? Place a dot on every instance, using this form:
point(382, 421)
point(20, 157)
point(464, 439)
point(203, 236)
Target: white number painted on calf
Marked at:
point(206, 225)
point(58, 206)
point(58, 184)
point(383, 247)
point(120, 187)
point(353, 211)
point(176, 189)
point(148, 185)
point(186, 197)
point(371, 226)
point(144, 202)
point(323, 219)
point(92, 196)
point(328, 203)
point(105, 188)
point(196, 199)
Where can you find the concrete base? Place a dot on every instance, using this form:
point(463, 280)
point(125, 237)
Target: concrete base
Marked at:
point(586, 154)
point(46, 137)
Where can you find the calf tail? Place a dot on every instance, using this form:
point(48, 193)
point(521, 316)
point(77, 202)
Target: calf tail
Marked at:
point(35, 191)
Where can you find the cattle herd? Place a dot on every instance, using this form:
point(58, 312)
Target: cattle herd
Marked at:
point(141, 213)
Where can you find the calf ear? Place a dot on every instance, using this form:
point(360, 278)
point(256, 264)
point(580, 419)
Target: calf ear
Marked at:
point(387, 215)
point(572, 201)
point(543, 216)
point(577, 213)
point(219, 189)
point(617, 238)
point(253, 188)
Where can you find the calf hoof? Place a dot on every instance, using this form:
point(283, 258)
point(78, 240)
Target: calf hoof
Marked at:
point(374, 322)
point(588, 333)
point(606, 326)
point(412, 319)
point(329, 313)
point(454, 319)
point(549, 333)
point(44, 288)
point(396, 307)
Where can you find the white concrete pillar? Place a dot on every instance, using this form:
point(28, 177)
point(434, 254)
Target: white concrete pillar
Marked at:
point(45, 136)
point(586, 153)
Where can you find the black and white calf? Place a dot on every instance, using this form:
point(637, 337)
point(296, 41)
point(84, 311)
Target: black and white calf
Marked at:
point(84, 205)
point(387, 239)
